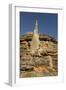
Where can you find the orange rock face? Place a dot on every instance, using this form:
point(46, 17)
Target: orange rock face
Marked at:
point(44, 61)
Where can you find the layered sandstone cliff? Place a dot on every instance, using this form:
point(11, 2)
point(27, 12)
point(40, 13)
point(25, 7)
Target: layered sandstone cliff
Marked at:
point(44, 62)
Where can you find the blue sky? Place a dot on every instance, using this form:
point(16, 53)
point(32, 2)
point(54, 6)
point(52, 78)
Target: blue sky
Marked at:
point(48, 23)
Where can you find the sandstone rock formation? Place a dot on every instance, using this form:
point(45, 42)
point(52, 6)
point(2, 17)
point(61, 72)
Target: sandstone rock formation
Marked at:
point(45, 60)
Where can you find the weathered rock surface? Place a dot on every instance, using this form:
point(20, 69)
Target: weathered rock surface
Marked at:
point(29, 64)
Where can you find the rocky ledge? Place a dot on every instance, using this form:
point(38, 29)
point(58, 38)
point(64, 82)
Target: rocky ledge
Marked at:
point(45, 64)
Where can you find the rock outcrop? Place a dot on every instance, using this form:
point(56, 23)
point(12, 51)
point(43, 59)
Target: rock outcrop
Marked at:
point(44, 62)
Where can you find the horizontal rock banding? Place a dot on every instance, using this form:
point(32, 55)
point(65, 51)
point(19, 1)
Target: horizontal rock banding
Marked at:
point(31, 63)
